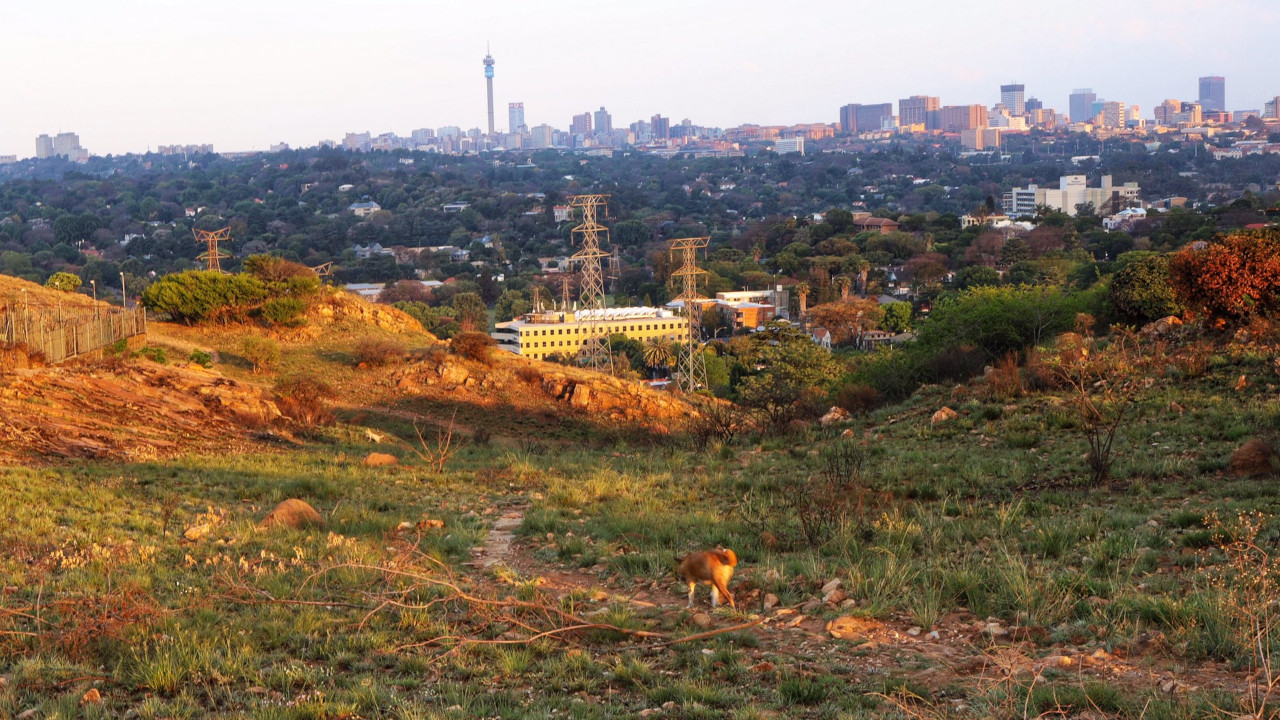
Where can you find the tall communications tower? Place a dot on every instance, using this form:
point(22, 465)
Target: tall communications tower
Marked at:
point(595, 345)
point(212, 257)
point(690, 365)
point(488, 79)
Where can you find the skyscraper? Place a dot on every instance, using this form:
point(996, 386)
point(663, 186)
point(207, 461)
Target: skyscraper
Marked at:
point(660, 126)
point(1013, 97)
point(44, 146)
point(856, 118)
point(515, 117)
point(915, 109)
point(1081, 106)
point(1034, 104)
point(581, 124)
point(488, 79)
point(1213, 93)
point(604, 122)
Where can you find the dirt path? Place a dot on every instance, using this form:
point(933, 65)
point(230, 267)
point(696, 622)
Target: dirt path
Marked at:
point(497, 545)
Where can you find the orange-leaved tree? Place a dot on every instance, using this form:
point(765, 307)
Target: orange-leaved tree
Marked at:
point(1233, 278)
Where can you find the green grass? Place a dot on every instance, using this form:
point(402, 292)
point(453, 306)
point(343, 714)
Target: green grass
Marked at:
point(988, 515)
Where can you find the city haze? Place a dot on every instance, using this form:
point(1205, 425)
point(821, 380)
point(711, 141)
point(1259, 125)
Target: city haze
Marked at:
point(241, 75)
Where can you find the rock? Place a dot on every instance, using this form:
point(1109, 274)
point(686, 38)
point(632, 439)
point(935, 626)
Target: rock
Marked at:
point(763, 667)
point(914, 631)
point(1252, 459)
point(1167, 687)
point(27, 714)
point(770, 601)
point(848, 628)
point(848, 433)
point(431, 524)
point(1058, 661)
point(1175, 407)
point(650, 711)
point(835, 597)
point(1242, 383)
point(796, 621)
point(292, 513)
point(833, 416)
point(702, 620)
point(196, 532)
point(377, 459)
point(946, 414)
point(452, 374)
point(850, 603)
point(1161, 327)
point(92, 697)
point(832, 586)
point(933, 635)
point(405, 525)
point(581, 396)
point(811, 606)
point(995, 630)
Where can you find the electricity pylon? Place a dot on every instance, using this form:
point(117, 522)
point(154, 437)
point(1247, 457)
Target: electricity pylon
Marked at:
point(212, 257)
point(588, 235)
point(691, 367)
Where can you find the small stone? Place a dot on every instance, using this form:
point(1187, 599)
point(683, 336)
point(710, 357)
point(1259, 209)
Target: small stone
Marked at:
point(762, 667)
point(1061, 661)
point(770, 601)
point(850, 603)
point(946, 414)
point(796, 620)
point(196, 532)
point(649, 711)
point(406, 525)
point(835, 597)
point(832, 586)
point(1169, 687)
point(933, 635)
point(292, 513)
point(811, 606)
point(995, 630)
point(914, 631)
point(702, 620)
point(27, 714)
point(669, 705)
point(92, 697)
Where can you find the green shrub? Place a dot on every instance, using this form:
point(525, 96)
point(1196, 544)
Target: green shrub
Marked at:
point(200, 357)
point(1141, 290)
point(198, 295)
point(261, 352)
point(283, 311)
point(64, 281)
point(475, 346)
point(154, 354)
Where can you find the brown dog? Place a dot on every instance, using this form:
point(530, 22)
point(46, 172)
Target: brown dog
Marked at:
point(710, 567)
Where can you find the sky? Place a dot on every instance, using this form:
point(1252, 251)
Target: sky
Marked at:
point(128, 75)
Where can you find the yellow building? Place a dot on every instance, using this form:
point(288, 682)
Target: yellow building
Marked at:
point(538, 335)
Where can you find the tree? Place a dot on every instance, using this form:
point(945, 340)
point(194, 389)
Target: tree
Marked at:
point(844, 283)
point(64, 281)
point(793, 374)
point(658, 353)
point(1142, 292)
point(197, 295)
point(897, 317)
point(802, 295)
point(847, 321)
point(471, 312)
point(510, 304)
point(1231, 279)
point(976, 276)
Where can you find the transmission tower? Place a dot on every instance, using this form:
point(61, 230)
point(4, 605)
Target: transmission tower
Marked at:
point(588, 235)
point(615, 270)
point(690, 365)
point(212, 257)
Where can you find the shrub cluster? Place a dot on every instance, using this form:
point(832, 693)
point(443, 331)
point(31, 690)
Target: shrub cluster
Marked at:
point(272, 289)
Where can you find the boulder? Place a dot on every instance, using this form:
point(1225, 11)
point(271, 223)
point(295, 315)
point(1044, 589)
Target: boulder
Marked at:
point(1163, 326)
point(377, 459)
point(946, 414)
point(294, 514)
point(1252, 459)
point(849, 628)
point(581, 397)
point(833, 416)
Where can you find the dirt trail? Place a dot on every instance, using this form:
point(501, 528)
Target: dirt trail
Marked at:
point(497, 546)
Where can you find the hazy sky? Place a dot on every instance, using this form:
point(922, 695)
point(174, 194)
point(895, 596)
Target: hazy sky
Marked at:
point(241, 74)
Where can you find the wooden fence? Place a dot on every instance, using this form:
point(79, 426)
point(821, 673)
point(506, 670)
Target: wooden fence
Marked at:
point(62, 335)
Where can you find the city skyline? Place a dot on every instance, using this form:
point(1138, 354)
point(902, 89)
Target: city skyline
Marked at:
point(204, 73)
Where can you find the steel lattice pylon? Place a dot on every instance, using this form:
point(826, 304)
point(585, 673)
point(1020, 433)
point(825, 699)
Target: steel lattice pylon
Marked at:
point(690, 365)
point(588, 235)
point(212, 257)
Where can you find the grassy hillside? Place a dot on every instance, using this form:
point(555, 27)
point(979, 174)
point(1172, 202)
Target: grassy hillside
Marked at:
point(980, 573)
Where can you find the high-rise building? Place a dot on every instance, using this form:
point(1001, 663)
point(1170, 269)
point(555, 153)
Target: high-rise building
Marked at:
point(1014, 98)
point(515, 117)
point(958, 118)
point(67, 145)
point(1213, 93)
point(604, 123)
point(856, 118)
point(1113, 115)
point(488, 79)
point(581, 124)
point(1081, 106)
point(542, 136)
point(1271, 110)
point(44, 146)
point(661, 127)
point(915, 109)
point(1034, 104)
